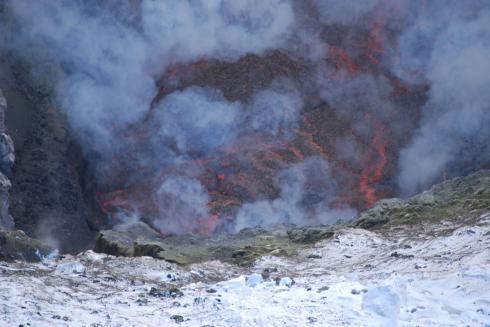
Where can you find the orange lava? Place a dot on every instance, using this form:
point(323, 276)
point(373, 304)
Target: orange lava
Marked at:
point(374, 46)
point(205, 226)
point(373, 171)
point(309, 137)
point(342, 60)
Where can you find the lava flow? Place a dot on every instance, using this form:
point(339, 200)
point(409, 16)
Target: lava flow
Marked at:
point(243, 171)
point(374, 164)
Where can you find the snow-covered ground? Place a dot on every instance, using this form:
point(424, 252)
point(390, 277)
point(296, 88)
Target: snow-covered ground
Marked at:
point(439, 276)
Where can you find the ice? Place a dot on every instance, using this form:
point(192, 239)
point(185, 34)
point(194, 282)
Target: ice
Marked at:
point(254, 280)
point(372, 288)
point(74, 267)
point(286, 281)
point(382, 301)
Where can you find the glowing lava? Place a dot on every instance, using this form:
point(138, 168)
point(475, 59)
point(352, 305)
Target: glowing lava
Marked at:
point(373, 170)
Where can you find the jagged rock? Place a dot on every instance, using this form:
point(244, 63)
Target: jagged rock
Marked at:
point(463, 196)
point(47, 199)
point(16, 245)
point(3, 108)
point(310, 235)
point(177, 318)
point(170, 293)
point(6, 220)
point(7, 154)
point(114, 243)
point(7, 159)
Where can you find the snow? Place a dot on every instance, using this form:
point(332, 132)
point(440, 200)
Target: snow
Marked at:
point(74, 267)
point(253, 280)
point(438, 276)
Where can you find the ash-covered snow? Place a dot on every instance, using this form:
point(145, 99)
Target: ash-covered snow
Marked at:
point(437, 276)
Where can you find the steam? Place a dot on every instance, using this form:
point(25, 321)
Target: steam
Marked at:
point(183, 204)
point(107, 58)
point(186, 30)
point(109, 66)
point(343, 12)
point(454, 134)
point(197, 119)
point(104, 58)
point(307, 196)
point(275, 110)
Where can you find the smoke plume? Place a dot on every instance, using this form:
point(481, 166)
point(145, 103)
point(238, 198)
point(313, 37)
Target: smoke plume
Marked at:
point(307, 196)
point(451, 53)
point(405, 82)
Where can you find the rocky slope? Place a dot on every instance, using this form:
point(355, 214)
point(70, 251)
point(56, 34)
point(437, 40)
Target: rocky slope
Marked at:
point(425, 275)
point(460, 199)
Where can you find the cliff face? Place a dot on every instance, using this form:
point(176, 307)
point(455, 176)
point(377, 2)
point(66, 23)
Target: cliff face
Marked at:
point(47, 198)
point(7, 159)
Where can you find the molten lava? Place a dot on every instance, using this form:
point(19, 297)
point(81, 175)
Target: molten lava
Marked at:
point(342, 60)
point(244, 170)
point(373, 170)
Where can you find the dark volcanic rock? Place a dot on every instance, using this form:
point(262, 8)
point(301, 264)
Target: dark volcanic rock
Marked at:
point(310, 234)
point(47, 199)
point(138, 239)
point(170, 293)
point(114, 243)
point(177, 318)
point(16, 245)
point(7, 159)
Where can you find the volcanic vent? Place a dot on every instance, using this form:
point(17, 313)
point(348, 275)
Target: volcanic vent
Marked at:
point(203, 117)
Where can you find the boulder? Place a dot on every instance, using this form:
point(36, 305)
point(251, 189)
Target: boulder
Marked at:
point(16, 245)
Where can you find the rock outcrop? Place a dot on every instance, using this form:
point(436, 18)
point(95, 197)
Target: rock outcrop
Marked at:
point(7, 159)
point(14, 244)
point(459, 197)
point(138, 239)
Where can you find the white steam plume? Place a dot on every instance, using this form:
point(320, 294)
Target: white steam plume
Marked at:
point(307, 193)
point(455, 133)
point(109, 55)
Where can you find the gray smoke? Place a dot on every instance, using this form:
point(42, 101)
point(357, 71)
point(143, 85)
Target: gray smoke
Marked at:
point(453, 57)
point(105, 58)
point(109, 66)
point(197, 119)
point(186, 30)
point(343, 12)
point(275, 110)
point(307, 195)
point(183, 204)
